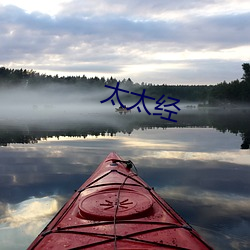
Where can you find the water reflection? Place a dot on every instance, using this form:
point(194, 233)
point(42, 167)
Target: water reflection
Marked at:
point(200, 171)
point(33, 209)
point(101, 124)
point(20, 222)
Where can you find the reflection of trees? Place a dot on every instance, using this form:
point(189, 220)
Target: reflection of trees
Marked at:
point(16, 137)
point(246, 141)
point(236, 122)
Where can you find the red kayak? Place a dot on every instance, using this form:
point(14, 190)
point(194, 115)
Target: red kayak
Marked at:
point(116, 209)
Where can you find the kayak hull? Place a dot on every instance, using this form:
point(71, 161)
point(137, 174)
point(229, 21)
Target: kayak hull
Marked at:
point(116, 209)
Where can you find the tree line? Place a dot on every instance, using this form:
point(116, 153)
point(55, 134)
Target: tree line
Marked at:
point(233, 122)
point(236, 91)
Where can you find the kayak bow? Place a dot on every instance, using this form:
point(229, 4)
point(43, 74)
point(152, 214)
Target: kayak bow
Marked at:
point(116, 209)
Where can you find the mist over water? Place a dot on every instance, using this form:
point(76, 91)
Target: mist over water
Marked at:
point(30, 114)
point(53, 103)
point(57, 99)
point(57, 105)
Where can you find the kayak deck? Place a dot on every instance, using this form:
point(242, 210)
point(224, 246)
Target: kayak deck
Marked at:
point(116, 209)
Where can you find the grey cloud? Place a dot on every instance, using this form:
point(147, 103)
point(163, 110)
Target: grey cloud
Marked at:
point(98, 39)
point(218, 31)
point(134, 8)
point(209, 71)
point(85, 68)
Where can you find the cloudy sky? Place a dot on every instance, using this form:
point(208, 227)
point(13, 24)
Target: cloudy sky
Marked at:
point(157, 41)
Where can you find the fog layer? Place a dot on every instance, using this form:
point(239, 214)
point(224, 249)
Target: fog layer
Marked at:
point(53, 102)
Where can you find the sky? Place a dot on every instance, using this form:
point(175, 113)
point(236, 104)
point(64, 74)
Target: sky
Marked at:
point(159, 42)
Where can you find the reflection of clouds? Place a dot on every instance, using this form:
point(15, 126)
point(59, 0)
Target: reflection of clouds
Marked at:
point(175, 143)
point(2, 209)
point(234, 156)
point(224, 218)
point(226, 240)
point(46, 158)
point(22, 222)
point(29, 212)
point(152, 139)
point(147, 144)
point(228, 203)
point(185, 139)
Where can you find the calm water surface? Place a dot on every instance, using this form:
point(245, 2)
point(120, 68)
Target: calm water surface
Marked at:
point(197, 165)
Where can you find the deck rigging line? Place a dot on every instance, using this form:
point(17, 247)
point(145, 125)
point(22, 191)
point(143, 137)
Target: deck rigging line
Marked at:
point(130, 174)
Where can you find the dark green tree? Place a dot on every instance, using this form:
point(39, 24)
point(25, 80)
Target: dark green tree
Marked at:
point(246, 69)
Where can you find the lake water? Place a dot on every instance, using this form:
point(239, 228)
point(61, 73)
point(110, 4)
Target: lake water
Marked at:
point(199, 165)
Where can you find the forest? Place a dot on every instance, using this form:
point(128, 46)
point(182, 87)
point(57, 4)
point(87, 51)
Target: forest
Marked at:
point(224, 93)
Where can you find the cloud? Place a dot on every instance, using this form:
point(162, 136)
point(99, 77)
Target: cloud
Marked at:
point(115, 38)
point(144, 10)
